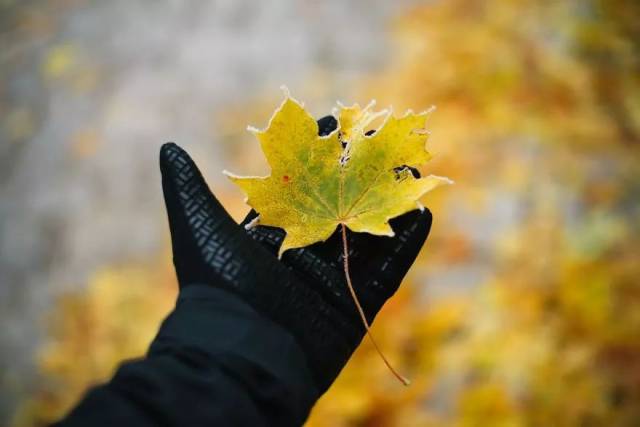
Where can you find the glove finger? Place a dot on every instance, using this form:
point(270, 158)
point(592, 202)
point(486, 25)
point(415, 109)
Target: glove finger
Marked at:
point(198, 223)
point(269, 237)
point(382, 270)
point(377, 263)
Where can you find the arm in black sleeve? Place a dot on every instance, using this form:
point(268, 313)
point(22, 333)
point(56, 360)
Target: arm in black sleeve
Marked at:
point(215, 361)
point(253, 340)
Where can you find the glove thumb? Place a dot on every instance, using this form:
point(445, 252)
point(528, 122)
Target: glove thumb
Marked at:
point(198, 223)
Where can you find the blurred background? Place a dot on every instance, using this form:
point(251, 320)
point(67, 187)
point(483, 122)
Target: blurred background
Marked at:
point(523, 308)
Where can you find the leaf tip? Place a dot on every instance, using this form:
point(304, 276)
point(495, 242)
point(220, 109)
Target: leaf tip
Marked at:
point(252, 224)
point(285, 90)
point(289, 98)
point(230, 175)
point(281, 251)
point(425, 114)
point(445, 180)
point(370, 105)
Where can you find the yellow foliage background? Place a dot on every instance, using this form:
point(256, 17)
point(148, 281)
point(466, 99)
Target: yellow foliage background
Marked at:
point(523, 308)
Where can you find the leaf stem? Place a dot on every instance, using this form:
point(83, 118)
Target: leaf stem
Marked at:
point(345, 258)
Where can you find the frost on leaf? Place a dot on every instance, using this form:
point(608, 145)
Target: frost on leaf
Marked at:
point(352, 176)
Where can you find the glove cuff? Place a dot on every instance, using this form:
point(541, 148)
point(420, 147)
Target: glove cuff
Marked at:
point(326, 337)
point(216, 322)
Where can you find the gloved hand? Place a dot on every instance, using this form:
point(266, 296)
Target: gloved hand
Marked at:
point(305, 292)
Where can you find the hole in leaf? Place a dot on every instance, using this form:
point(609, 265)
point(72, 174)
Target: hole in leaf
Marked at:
point(398, 171)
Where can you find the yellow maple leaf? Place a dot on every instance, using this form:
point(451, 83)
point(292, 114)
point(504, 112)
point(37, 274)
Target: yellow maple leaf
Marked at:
point(351, 176)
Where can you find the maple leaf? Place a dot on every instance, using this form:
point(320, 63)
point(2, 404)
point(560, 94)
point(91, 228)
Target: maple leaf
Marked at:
point(352, 176)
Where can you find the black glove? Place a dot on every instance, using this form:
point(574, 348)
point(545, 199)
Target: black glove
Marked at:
point(305, 292)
